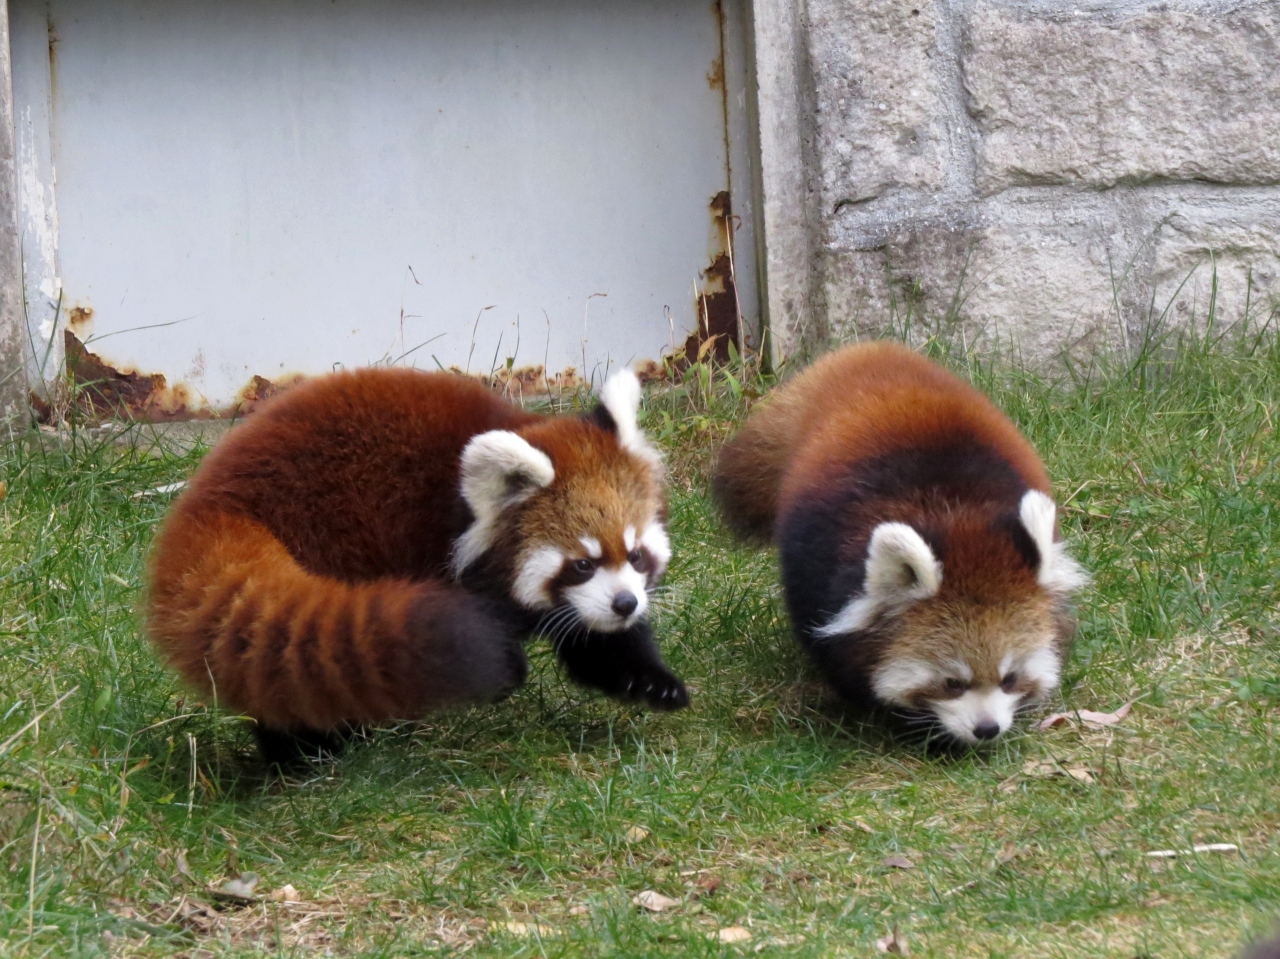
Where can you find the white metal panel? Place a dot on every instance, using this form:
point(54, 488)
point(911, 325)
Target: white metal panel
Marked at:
point(296, 184)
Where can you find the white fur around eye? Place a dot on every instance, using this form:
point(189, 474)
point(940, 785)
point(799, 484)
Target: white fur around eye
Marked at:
point(538, 568)
point(1044, 666)
point(960, 716)
point(899, 679)
point(655, 540)
point(499, 469)
point(1058, 573)
point(901, 569)
point(593, 600)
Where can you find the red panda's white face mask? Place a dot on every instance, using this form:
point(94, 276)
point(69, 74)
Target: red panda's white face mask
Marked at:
point(969, 663)
point(587, 538)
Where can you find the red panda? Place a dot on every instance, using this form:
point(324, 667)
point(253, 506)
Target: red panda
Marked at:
point(916, 535)
point(375, 545)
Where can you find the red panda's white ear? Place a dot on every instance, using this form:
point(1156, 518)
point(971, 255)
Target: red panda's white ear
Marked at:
point(620, 396)
point(901, 569)
point(499, 469)
point(900, 564)
point(1058, 572)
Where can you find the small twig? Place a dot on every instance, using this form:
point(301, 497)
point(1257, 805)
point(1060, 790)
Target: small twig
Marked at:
point(31, 882)
point(1198, 848)
point(4, 747)
point(960, 888)
point(191, 779)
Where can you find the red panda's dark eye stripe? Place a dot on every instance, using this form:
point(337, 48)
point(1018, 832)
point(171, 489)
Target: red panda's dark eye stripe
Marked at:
point(641, 560)
point(1009, 681)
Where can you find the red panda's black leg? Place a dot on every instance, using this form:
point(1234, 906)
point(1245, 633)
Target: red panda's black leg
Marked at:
point(288, 749)
point(625, 665)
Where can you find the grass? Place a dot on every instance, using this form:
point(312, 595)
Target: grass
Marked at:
point(527, 828)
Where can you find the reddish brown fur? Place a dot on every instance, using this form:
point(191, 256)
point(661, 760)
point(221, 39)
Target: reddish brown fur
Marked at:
point(302, 576)
point(876, 433)
point(598, 490)
point(854, 404)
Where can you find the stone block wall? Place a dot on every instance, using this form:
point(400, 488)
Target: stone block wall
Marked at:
point(1052, 175)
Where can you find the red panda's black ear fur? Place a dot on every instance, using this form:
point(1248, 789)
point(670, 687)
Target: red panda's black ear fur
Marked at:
point(602, 418)
point(1058, 572)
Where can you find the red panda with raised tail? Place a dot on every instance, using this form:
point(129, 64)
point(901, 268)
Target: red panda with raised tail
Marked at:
point(917, 538)
point(375, 545)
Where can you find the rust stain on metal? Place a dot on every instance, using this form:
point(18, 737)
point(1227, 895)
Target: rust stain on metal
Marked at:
point(101, 390)
point(715, 76)
point(104, 390)
point(650, 371)
point(258, 390)
point(80, 319)
point(716, 306)
point(519, 381)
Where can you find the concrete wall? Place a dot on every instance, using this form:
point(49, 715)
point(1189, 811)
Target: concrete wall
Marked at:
point(13, 381)
point(1050, 174)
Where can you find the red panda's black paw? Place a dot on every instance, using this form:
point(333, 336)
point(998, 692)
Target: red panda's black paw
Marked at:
point(657, 689)
point(626, 666)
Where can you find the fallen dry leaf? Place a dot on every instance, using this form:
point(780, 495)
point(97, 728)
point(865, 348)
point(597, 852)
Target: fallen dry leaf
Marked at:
point(899, 862)
point(654, 901)
point(239, 888)
point(184, 870)
point(1046, 768)
point(285, 893)
point(894, 943)
point(159, 490)
point(523, 928)
point(637, 834)
point(734, 934)
point(863, 826)
point(1199, 847)
point(579, 910)
point(1088, 717)
point(708, 885)
point(1082, 774)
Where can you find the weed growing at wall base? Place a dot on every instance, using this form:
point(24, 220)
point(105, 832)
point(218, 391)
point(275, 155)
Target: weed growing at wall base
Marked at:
point(560, 824)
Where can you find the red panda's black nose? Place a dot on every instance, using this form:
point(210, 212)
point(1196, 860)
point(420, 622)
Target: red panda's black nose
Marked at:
point(987, 730)
point(625, 603)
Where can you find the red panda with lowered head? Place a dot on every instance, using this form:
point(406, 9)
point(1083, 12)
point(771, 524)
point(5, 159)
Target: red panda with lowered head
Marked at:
point(917, 538)
point(375, 545)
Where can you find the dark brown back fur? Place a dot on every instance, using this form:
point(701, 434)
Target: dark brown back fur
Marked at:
point(300, 577)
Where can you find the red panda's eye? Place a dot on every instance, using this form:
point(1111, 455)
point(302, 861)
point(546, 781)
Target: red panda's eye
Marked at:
point(955, 686)
point(584, 565)
point(639, 559)
point(1010, 680)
